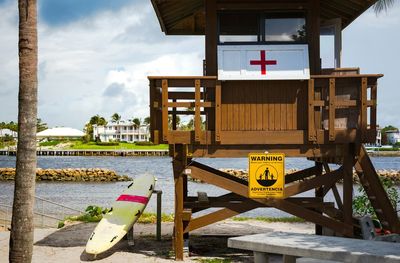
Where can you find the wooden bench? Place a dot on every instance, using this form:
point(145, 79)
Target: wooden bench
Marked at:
point(293, 246)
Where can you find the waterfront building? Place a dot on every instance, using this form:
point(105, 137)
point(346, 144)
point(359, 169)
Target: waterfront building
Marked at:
point(8, 132)
point(393, 136)
point(121, 131)
point(60, 133)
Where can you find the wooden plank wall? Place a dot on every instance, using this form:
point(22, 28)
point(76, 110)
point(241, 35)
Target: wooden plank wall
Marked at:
point(264, 105)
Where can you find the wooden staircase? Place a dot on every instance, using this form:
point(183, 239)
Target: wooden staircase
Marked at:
point(373, 187)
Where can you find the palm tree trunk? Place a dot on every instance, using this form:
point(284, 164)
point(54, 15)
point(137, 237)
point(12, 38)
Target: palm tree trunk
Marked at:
point(22, 225)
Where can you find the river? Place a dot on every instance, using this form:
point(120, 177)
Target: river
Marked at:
point(80, 195)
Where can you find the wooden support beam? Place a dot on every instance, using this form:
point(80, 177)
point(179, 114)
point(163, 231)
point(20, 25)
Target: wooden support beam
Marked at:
point(221, 214)
point(300, 175)
point(348, 162)
point(218, 178)
point(319, 193)
point(313, 217)
point(376, 193)
point(315, 182)
point(335, 191)
point(179, 164)
point(240, 187)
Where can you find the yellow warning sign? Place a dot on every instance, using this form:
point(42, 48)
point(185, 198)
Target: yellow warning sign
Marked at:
point(266, 175)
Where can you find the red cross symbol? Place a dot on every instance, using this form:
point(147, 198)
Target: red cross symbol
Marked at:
point(263, 62)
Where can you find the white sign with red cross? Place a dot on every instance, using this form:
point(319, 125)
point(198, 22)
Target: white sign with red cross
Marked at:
point(255, 62)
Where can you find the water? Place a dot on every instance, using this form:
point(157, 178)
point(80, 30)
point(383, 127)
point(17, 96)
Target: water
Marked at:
point(80, 195)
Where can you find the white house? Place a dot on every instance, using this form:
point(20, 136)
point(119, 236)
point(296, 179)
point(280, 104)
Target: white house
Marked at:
point(121, 131)
point(7, 132)
point(393, 136)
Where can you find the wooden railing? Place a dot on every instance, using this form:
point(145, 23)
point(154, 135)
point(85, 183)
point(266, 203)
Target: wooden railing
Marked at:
point(181, 96)
point(361, 93)
point(338, 108)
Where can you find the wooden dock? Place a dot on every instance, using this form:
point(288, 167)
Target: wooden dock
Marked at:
point(125, 153)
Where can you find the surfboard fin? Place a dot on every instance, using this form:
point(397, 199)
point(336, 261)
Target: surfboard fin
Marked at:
point(129, 186)
point(138, 213)
point(151, 188)
point(113, 239)
point(91, 236)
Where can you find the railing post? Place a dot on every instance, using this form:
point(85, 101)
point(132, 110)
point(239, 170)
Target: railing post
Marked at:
point(363, 113)
point(332, 108)
point(374, 100)
point(218, 111)
point(165, 108)
point(197, 118)
point(311, 118)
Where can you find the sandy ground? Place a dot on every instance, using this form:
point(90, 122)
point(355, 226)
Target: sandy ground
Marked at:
point(68, 244)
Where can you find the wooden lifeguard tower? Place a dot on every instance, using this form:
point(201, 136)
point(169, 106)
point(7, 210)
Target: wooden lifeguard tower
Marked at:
point(264, 89)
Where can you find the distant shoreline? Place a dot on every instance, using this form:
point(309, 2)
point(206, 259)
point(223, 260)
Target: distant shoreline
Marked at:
point(94, 152)
point(384, 154)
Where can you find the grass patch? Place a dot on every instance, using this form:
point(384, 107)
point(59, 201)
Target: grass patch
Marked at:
point(50, 143)
point(94, 214)
point(121, 146)
point(271, 219)
point(151, 218)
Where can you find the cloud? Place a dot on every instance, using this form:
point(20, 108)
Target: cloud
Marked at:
point(84, 58)
point(97, 64)
point(114, 90)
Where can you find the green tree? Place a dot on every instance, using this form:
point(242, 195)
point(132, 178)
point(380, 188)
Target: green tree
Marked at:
point(12, 126)
point(115, 117)
point(21, 235)
point(136, 122)
point(41, 126)
point(383, 133)
point(94, 120)
point(146, 121)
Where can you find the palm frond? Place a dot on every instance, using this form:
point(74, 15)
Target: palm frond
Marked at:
point(383, 5)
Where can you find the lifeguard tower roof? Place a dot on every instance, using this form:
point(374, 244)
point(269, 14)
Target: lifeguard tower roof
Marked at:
point(187, 17)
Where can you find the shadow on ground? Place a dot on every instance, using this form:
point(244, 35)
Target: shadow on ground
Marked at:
point(200, 245)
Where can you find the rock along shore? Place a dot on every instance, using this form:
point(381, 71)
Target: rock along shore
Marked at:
point(393, 175)
point(69, 175)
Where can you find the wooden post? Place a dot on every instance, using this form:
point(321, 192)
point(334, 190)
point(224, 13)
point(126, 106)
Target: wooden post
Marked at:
point(332, 109)
point(197, 118)
point(211, 37)
point(218, 111)
point(319, 192)
point(348, 162)
point(165, 109)
point(179, 164)
point(311, 116)
point(363, 113)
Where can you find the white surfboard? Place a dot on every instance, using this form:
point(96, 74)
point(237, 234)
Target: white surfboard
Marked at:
point(124, 213)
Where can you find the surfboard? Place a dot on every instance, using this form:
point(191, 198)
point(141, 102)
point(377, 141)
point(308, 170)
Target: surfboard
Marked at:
point(124, 213)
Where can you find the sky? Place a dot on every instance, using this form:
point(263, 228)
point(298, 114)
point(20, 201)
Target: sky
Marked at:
point(95, 56)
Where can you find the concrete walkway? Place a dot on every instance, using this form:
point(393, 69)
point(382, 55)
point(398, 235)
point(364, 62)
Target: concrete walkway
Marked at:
point(68, 243)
